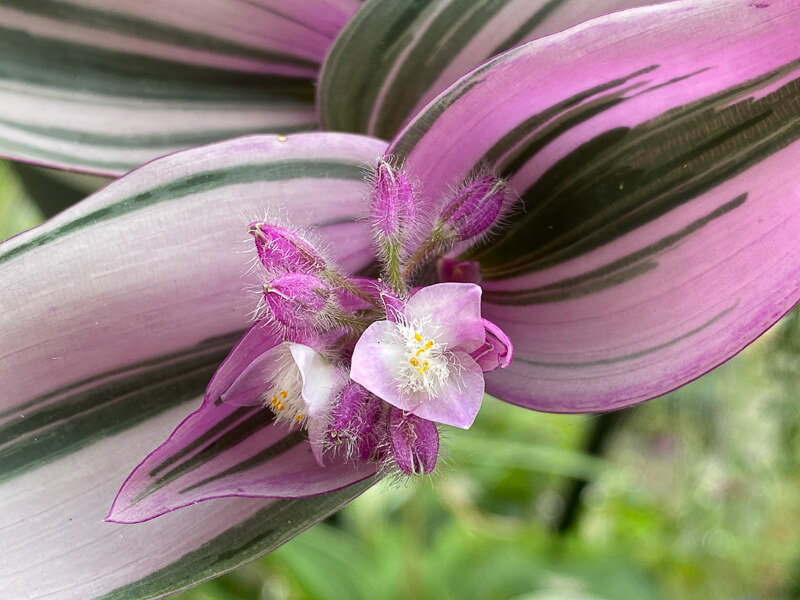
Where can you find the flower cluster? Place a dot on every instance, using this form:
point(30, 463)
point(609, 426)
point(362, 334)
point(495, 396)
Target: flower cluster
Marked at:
point(368, 367)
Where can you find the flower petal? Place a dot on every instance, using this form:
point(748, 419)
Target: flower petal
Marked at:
point(375, 361)
point(656, 155)
point(321, 380)
point(104, 86)
point(400, 55)
point(497, 352)
point(375, 365)
point(453, 311)
point(249, 385)
point(459, 401)
point(143, 299)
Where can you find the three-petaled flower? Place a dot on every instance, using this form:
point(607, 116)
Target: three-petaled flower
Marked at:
point(422, 359)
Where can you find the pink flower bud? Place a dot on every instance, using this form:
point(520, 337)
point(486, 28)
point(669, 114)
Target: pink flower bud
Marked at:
point(475, 208)
point(496, 352)
point(351, 402)
point(414, 442)
point(355, 420)
point(297, 300)
point(392, 209)
point(280, 249)
point(369, 439)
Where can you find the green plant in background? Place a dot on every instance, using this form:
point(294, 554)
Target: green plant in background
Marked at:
point(17, 210)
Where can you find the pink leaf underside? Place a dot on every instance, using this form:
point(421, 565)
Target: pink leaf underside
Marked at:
point(231, 449)
point(226, 450)
point(656, 154)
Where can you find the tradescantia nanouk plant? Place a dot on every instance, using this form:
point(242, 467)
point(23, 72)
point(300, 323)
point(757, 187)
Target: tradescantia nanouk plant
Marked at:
point(617, 202)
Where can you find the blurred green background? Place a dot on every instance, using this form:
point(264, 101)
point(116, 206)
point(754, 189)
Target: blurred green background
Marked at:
point(693, 496)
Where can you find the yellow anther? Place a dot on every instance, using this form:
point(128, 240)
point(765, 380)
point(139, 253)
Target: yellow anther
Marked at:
point(417, 337)
point(420, 371)
point(428, 344)
point(414, 362)
point(277, 403)
point(283, 394)
point(425, 366)
point(299, 417)
point(420, 351)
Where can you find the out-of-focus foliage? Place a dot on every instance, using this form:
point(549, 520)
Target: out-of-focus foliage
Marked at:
point(17, 210)
point(696, 497)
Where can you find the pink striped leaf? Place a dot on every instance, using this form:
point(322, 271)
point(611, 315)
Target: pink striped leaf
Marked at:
point(104, 86)
point(113, 317)
point(401, 55)
point(655, 154)
point(231, 449)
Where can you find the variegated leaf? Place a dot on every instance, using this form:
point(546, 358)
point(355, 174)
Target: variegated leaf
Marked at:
point(113, 317)
point(400, 55)
point(656, 156)
point(104, 86)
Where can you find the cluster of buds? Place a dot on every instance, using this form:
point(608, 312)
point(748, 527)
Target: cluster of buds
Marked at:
point(463, 219)
point(371, 367)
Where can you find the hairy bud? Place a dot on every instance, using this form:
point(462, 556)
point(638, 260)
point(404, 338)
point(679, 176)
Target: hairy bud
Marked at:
point(414, 442)
point(280, 249)
point(354, 421)
point(392, 210)
point(475, 208)
point(297, 300)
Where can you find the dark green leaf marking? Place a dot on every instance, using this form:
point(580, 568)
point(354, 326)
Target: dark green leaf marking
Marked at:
point(208, 436)
point(89, 69)
point(613, 274)
point(267, 454)
point(388, 22)
point(130, 25)
point(147, 140)
point(194, 184)
point(624, 178)
point(62, 422)
point(257, 418)
point(527, 26)
point(449, 32)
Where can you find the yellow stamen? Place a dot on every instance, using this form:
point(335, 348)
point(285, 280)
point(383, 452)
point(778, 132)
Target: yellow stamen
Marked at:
point(414, 362)
point(428, 345)
point(277, 403)
point(299, 417)
point(283, 394)
point(417, 337)
point(425, 366)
